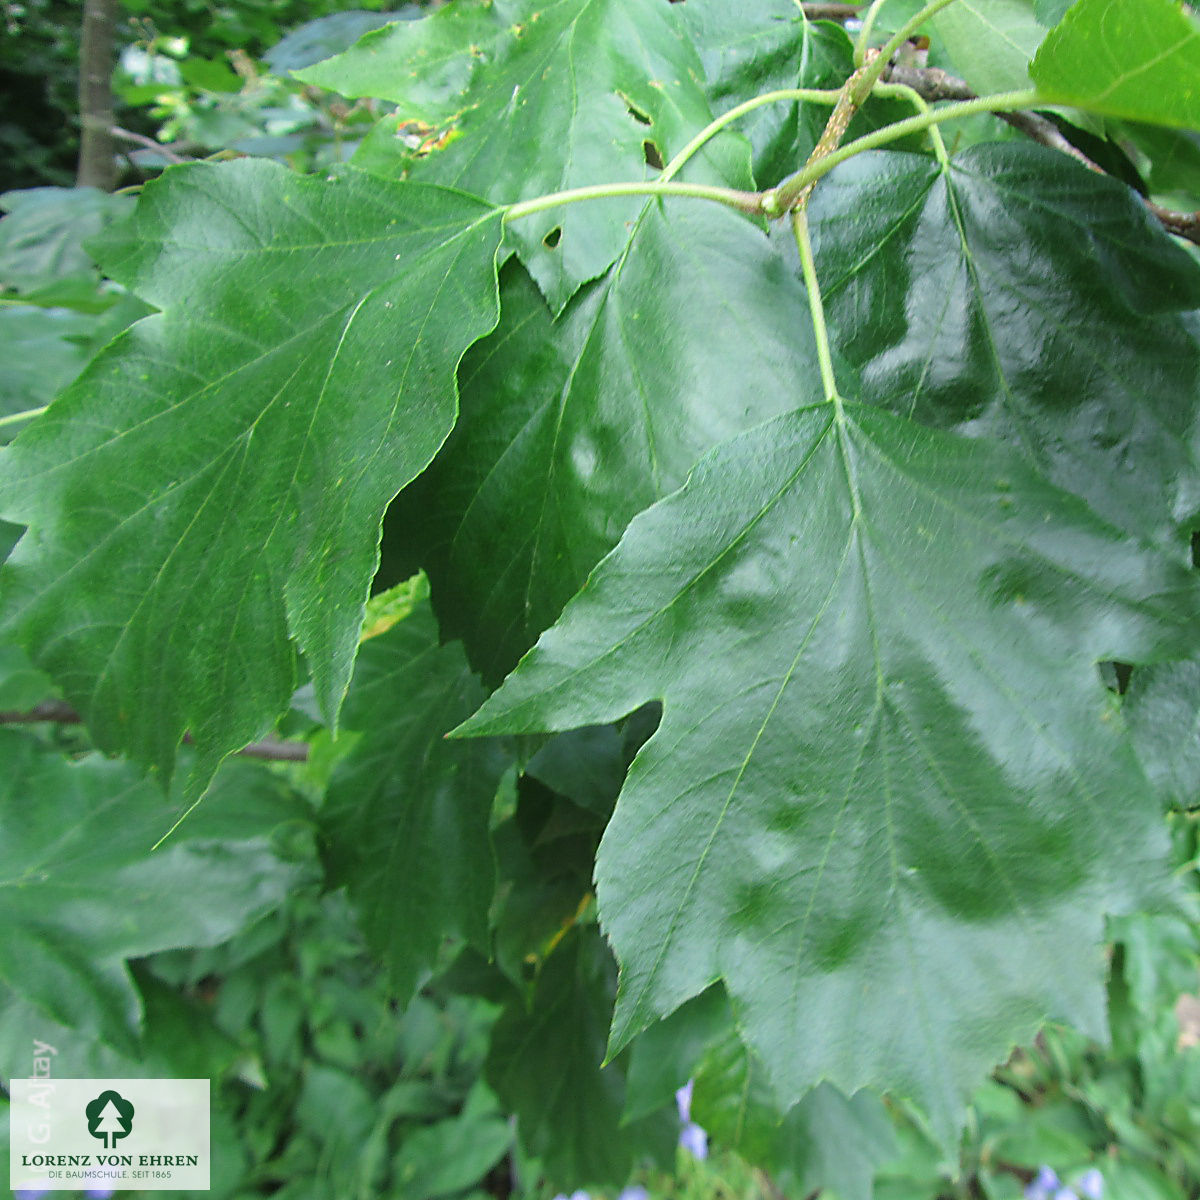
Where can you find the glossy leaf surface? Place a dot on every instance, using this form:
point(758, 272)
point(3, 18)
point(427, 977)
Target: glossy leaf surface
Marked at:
point(1021, 297)
point(876, 654)
point(536, 96)
point(208, 495)
point(81, 891)
point(752, 48)
point(1126, 58)
point(747, 49)
point(568, 429)
point(406, 818)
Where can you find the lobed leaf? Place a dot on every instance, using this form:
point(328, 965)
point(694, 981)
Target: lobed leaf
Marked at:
point(875, 644)
point(529, 97)
point(569, 428)
point(1018, 296)
point(210, 491)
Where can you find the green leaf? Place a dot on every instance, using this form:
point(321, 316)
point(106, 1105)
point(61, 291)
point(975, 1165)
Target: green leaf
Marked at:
point(875, 644)
point(210, 490)
point(544, 1064)
point(545, 853)
point(750, 48)
point(450, 1155)
point(586, 765)
point(569, 428)
point(1162, 707)
point(179, 1040)
point(1050, 12)
point(41, 239)
point(664, 1057)
point(21, 685)
point(328, 35)
point(1020, 297)
point(990, 42)
point(1126, 58)
point(536, 96)
point(1170, 159)
point(81, 891)
point(41, 351)
point(747, 49)
point(406, 816)
point(826, 1141)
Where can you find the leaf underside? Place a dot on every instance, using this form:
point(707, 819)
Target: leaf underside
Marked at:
point(1125, 58)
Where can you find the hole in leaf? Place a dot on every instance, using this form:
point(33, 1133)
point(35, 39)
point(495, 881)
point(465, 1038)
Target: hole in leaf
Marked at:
point(642, 118)
point(653, 158)
point(552, 238)
point(1115, 676)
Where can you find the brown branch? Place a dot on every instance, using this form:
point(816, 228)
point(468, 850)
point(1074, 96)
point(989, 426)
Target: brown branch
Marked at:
point(1181, 224)
point(59, 712)
point(933, 84)
point(97, 157)
point(276, 750)
point(141, 139)
point(830, 12)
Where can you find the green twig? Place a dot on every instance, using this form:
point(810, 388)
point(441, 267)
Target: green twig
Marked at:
point(804, 95)
point(816, 306)
point(863, 41)
point(879, 64)
point(746, 202)
point(27, 415)
point(776, 201)
point(903, 92)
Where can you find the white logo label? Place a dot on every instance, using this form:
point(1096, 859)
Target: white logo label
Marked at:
point(132, 1135)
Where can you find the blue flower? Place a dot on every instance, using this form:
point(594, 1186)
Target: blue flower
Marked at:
point(579, 1195)
point(693, 1138)
point(683, 1100)
point(637, 1192)
point(1043, 1186)
point(1091, 1184)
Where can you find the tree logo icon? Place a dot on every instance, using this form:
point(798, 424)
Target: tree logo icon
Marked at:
point(109, 1117)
